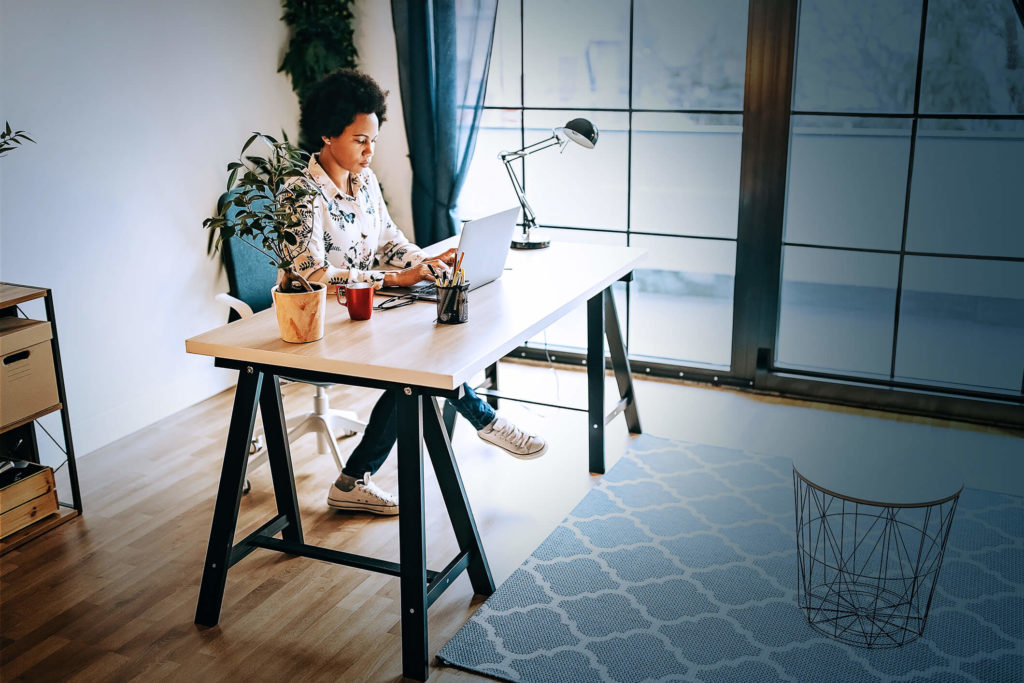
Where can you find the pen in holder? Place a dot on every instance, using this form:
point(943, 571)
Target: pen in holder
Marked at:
point(453, 304)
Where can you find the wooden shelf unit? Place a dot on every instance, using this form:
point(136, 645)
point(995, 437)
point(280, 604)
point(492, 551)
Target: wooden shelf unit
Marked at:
point(10, 296)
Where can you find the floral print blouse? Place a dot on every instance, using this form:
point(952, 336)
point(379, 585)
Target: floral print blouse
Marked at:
point(350, 234)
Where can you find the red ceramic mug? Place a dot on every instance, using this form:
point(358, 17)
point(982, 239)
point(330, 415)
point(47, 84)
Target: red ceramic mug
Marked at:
point(358, 299)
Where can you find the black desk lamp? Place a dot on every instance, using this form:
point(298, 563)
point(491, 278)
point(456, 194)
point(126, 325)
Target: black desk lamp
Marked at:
point(580, 131)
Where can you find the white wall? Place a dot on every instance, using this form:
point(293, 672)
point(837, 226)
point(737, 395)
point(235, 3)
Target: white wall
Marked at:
point(375, 43)
point(136, 107)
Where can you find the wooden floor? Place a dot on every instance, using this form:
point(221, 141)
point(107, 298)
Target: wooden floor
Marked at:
point(111, 596)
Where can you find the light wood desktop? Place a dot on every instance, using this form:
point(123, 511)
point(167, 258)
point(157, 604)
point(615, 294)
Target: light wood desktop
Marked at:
point(405, 346)
point(404, 350)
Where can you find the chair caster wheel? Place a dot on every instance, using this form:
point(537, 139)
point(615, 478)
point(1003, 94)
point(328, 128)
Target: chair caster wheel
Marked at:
point(246, 487)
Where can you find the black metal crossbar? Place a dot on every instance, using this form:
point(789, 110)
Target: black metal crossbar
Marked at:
point(480, 390)
point(264, 537)
point(437, 582)
point(252, 541)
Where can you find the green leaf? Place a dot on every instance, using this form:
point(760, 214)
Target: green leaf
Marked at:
point(223, 202)
point(248, 142)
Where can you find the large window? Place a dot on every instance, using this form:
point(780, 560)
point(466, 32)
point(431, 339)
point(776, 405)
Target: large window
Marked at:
point(880, 244)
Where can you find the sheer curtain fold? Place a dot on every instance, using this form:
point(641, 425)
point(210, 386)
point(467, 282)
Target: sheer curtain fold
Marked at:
point(444, 52)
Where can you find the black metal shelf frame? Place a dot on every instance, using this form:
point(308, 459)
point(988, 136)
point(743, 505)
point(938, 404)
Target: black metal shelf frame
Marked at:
point(62, 399)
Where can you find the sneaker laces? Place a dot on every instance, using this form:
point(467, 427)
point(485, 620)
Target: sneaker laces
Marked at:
point(374, 490)
point(514, 435)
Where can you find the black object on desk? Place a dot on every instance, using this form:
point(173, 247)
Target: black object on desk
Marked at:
point(453, 304)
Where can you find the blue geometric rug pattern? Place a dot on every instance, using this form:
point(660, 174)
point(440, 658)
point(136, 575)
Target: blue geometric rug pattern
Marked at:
point(680, 565)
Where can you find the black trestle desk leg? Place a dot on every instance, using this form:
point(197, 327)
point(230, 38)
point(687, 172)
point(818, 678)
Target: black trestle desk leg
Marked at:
point(229, 495)
point(491, 374)
point(449, 418)
point(595, 379)
point(620, 363)
point(411, 537)
point(280, 458)
point(454, 493)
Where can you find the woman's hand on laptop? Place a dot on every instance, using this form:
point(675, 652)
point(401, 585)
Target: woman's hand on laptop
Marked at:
point(447, 258)
point(417, 273)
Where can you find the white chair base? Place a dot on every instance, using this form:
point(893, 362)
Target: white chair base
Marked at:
point(327, 423)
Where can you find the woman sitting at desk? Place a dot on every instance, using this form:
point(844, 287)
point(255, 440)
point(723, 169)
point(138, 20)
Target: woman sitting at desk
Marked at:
point(350, 229)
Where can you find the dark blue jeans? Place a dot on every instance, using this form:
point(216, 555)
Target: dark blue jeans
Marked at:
point(382, 430)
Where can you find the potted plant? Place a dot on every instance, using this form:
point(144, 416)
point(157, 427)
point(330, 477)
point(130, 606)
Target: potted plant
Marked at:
point(263, 207)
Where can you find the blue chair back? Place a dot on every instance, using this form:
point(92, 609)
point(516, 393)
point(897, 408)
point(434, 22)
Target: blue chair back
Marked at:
point(250, 274)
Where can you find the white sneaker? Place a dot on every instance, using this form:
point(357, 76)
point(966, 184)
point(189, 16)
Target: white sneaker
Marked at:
point(365, 495)
point(506, 435)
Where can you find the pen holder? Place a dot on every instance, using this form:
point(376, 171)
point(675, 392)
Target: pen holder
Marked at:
point(453, 304)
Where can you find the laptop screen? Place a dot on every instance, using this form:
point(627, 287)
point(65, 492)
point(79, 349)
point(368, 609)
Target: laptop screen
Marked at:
point(485, 243)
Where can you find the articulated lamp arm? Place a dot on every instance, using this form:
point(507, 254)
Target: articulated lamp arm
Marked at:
point(580, 131)
point(529, 218)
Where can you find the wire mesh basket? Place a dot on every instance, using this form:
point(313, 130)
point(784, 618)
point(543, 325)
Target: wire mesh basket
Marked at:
point(867, 570)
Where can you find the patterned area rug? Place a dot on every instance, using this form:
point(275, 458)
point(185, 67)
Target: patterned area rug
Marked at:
point(681, 566)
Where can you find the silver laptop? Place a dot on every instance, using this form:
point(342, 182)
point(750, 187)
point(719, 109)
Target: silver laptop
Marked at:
point(485, 243)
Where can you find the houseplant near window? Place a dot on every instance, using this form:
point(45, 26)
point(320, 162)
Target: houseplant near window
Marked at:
point(263, 207)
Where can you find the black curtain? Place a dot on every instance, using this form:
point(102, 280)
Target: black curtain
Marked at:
point(444, 52)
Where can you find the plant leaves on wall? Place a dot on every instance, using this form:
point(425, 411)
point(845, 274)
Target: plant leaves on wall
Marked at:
point(9, 139)
point(321, 40)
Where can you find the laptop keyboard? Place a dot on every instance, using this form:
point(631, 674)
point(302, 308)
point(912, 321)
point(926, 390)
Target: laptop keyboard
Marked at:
point(424, 289)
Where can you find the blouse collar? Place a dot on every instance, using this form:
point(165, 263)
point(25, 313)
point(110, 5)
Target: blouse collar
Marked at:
point(327, 185)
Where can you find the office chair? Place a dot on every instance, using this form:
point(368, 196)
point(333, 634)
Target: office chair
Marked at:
point(250, 278)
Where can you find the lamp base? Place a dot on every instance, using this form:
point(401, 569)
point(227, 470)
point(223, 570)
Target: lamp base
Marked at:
point(531, 244)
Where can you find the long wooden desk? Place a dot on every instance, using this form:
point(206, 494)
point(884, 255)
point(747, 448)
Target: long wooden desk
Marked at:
point(404, 350)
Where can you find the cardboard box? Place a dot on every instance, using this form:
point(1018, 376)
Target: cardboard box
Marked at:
point(28, 383)
point(27, 494)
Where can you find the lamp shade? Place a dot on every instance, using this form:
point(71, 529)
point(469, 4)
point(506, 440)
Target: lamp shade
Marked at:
point(580, 131)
